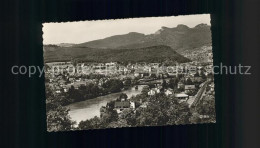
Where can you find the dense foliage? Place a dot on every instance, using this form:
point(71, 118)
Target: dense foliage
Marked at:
point(154, 110)
point(207, 108)
point(161, 110)
point(57, 115)
point(92, 90)
point(148, 54)
point(113, 85)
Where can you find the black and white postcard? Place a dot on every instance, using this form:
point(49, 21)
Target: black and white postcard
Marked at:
point(154, 71)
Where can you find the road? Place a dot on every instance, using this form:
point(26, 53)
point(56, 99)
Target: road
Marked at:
point(199, 95)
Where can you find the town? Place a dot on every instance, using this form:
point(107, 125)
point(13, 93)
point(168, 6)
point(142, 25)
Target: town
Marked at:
point(143, 76)
point(78, 81)
point(63, 75)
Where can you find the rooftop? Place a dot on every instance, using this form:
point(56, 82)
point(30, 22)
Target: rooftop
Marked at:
point(123, 104)
point(189, 86)
point(181, 95)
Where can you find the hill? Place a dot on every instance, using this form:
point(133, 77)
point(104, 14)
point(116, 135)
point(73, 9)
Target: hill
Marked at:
point(179, 38)
point(158, 53)
point(114, 41)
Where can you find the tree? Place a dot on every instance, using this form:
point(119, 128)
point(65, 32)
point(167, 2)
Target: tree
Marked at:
point(191, 93)
point(195, 118)
point(93, 123)
point(58, 118)
point(210, 75)
point(181, 89)
point(95, 90)
point(127, 82)
point(179, 113)
point(153, 75)
point(207, 88)
point(74, 95)
point(145, 90)
point(110, 105)
point(196, 74)
point(203, 76)
point(180, 76)
point(108, 116)
point(207, 107)
point(123, 96)
point(151, 85)
point(173, 83)
point(129, 116)
point(119, 123)
point(164, 84)
point(163, 110)
point(113, 85)
point(188, 82)
point(135, 80)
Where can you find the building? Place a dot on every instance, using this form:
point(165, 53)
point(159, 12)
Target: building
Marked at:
point(132, 105)
point(120, 106)
point(58, 91)
point(182, 97)
point(140, 72)
point(144, 105)
point(189, 88)
point(168, 92)
point(197, 79)
point(155, 65)
point(153, 91)
point(172, 71)
point(111, 68)
point(71, 70)
point(180, 85)
point(192, 69)
point(212, 87)
point(111, 64)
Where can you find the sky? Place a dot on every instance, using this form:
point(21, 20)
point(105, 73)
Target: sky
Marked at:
point(84, 31)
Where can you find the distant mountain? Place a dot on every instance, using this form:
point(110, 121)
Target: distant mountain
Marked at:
point(114, 41)
point(148, 54)
point(179, 38)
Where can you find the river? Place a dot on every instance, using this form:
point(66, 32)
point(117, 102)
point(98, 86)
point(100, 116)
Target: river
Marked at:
point(90, 108)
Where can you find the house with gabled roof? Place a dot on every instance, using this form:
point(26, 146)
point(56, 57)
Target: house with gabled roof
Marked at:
point(121, 105)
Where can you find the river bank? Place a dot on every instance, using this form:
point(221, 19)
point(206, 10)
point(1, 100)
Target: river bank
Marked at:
point(90, 108)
